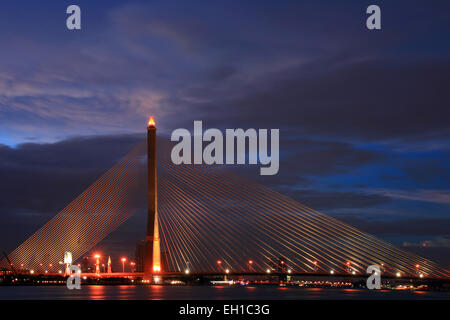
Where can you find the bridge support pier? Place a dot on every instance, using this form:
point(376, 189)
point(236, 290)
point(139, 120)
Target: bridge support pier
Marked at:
point(152, 262)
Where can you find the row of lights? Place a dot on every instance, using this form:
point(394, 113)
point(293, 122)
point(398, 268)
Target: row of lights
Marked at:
point(96, 256)
point(398, 274)
point(348, 263)
point(219, 262)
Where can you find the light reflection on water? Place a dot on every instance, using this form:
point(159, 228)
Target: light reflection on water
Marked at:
point(97, 293)
point(124, 292)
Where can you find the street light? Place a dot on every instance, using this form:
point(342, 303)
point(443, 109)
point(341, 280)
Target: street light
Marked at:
point(250, 263)
point(123, 264)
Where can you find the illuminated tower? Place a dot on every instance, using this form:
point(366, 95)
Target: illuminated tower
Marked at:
point(68, 262)
point(109, 265)
point(97, 263)
point(152, 251)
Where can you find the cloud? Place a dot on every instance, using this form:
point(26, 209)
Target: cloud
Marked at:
point(437, 249)
point(322, 200)
point(371, 100)
point(303, 160)
point(406, 227)
point(228, 67)
point(433, 172)
point(427, 237)
point(43, 178)
point(435, 196)
point(438, 242)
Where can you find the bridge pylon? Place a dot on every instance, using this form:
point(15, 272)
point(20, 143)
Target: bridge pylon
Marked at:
point(152, 262)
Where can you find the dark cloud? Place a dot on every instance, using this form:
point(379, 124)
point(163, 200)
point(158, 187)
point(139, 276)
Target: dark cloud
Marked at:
point(318, 157)
point(222, 73)
point(43, 178)
point(303, 159)
point(404, 227)
point(433, 173)
point(360, 100)
point(439, 254)
point(39, 180)
point(439, 242)
point(435, 234)
point(301, 68)
point(322, 200)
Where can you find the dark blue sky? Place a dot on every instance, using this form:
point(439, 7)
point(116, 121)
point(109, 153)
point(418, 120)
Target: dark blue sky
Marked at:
point(363, 115)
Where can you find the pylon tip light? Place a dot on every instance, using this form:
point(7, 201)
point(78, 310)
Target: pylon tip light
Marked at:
point(151, 121)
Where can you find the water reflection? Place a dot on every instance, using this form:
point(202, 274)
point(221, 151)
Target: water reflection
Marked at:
point(96, 292)
point(157, 292)
point(136, 292)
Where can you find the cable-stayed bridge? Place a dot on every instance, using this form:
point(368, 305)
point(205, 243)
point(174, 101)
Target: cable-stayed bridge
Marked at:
point(212, 220)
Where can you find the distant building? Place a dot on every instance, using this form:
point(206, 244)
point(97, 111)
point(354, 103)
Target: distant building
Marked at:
point(86, 265)
point(109, 265)
point(5, 272)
